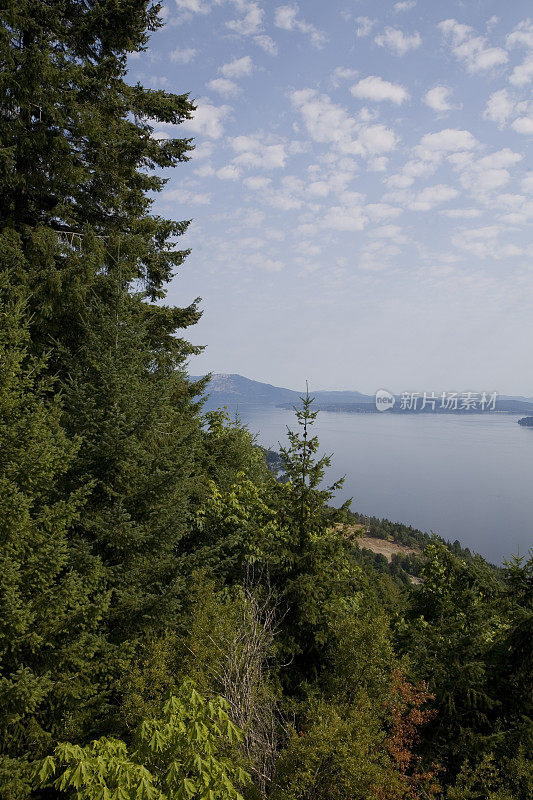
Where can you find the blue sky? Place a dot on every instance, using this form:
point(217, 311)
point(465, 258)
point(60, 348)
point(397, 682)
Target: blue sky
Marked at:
point(361, 192)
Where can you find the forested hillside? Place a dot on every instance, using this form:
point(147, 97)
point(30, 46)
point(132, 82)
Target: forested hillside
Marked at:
point(174, 621)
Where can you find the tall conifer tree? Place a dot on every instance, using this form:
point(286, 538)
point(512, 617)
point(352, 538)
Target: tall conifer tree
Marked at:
point(77, 163)
point(52, 591)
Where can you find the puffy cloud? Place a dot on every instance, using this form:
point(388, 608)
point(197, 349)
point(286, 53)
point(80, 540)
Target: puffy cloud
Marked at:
point(257, 183)
point(487, 174)
point(382, 211)
point(499, 159)
point(329, 123)
point(434, 146)
point(183, 56)
point(527, 183)
point(377, 139)
point(499, 107)
point(522, 35)
point(431, 196)
point(376, 89)
point(462, 213)
point(238, 68)
point(406, 5)
point(344, 218)
point(184, 196)
point(254, 152)
point(343, 74)
point(250, 23)
point(523, 73)
point(364, 26)
point(228, 173)
point(399, 42)
point(267, 43)
point(523, 125)
point(208, 119)
point(224, 86)
point(483, 243)
point(286, 17)
point(438, 99)
point(473, 50)
point(194, 6)
point(394, 232)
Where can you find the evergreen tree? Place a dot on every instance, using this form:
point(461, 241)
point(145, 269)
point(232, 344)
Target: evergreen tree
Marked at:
point(78, 161)
point(130, 404)
point(51, 590)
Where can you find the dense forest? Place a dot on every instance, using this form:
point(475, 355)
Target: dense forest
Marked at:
point(175, 622)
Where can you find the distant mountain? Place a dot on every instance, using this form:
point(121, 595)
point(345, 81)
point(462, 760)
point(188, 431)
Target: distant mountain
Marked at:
point(236, 392)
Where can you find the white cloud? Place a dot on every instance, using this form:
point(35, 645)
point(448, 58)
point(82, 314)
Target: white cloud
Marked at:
point(238, 68)
point(523, 125)
point(382, 211)
point(329, 123)
point(522, 35)
point(254, 153)
point(406, 5)
point(462, 213)
point(286, 17)
point(344, 218)
point(202, 150)
point(398, 41)
point(483, 243)
point(180, 56)
point(250, 23)
point(394, 232)
point(499, 107)
point(364, 26)
point(324, 120)
point(378, 164)
point(194, 6)
point(228, 173)
point(487, 174)
point(434, 146)
point(224, 87)
point(267, 43)
point(204, 171)
point(377, 139)
point(527, 183)
point(499, 159)
point(438, 99)
point(431, 196)
point(208, 119)
point(257, 183)
point(343, 74)
point(474, 50)
point(184, 196)
point(376, 89)
point(523, 73)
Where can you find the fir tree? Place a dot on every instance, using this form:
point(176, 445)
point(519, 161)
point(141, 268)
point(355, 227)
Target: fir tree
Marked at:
point(51, 590)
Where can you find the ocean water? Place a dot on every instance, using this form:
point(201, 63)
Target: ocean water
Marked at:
point(464, 477)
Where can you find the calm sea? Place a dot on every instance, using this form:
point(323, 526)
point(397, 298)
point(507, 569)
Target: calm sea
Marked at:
point(463, 477)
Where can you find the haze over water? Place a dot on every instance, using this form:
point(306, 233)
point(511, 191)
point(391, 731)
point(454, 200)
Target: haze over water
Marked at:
point(463, 477)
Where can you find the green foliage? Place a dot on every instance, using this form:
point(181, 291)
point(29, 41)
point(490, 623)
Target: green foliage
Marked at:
point(307, 502)
point(52, 593)
point(179, 755)
point(483, 782)
point(77, 154)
